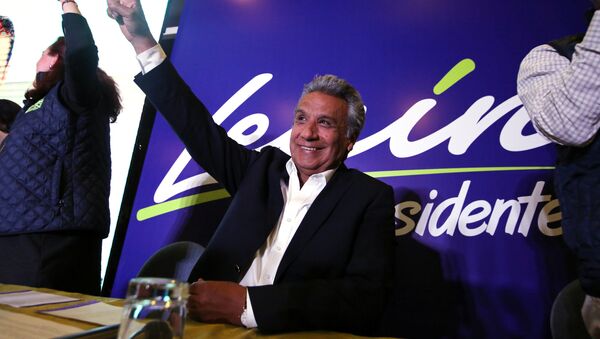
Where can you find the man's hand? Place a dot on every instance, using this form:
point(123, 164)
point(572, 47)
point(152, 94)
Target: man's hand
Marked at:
point(590, 312)
point(130, 16)
point(217, 301)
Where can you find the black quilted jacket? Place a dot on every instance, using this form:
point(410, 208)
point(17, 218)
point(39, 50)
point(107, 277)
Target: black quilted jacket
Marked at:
point(55, 163)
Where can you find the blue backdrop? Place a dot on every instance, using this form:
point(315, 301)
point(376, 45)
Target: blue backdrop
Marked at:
point(478, 225)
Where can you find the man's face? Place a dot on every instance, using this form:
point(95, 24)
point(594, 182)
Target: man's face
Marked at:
point(318, 141)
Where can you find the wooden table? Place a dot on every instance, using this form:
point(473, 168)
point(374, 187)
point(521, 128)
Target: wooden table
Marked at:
point(193, 329)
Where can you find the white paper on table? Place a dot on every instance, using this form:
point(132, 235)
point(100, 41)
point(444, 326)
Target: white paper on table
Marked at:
point(31, 298)
point(93, 312)
point(16, 325)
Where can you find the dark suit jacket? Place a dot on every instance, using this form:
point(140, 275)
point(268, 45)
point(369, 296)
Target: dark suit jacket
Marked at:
point(335, 273)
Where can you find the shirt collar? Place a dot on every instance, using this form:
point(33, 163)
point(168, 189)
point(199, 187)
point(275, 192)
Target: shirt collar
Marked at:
point(292, 170)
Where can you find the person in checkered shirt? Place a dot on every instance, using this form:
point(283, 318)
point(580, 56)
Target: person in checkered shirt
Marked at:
point(559, 85)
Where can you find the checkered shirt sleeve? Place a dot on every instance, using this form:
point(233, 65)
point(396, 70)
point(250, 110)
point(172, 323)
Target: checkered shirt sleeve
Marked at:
point(562, 97)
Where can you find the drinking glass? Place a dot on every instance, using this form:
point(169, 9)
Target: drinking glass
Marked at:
point(155, 308)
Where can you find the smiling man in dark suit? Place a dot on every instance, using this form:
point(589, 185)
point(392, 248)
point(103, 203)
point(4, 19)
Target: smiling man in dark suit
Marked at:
point(306, 243)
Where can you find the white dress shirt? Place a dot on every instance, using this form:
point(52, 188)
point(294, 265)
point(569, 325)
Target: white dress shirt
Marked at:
point(151, 58)
point(562, 97)
point(297, 200)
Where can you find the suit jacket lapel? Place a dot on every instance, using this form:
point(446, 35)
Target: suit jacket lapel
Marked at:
point(319, 211)
point(273, 208)
point(275, 205)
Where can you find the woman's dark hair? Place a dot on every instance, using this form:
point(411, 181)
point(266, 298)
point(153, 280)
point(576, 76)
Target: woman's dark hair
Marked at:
point(42, 85)
point(110, 94)
point(8, 113)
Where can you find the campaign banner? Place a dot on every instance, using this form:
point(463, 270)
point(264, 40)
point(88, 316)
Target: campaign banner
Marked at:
point(479, 247)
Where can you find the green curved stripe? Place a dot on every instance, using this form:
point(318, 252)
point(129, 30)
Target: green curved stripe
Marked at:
point(197, 199)
point(459, 71)
point(429, 171)
point(177, 204)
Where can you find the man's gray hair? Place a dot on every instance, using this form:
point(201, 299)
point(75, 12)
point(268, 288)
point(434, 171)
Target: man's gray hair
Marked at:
point(340, 88)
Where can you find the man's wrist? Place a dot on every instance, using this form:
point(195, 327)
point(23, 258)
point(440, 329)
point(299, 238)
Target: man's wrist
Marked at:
point(142, 44)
